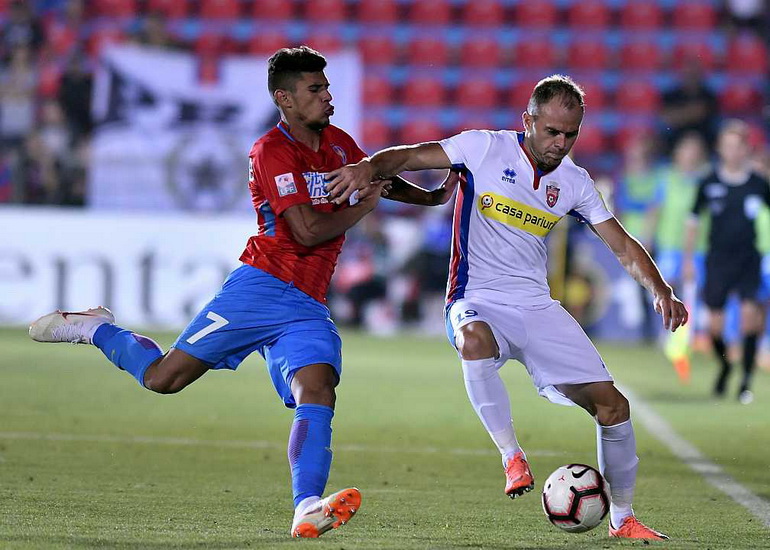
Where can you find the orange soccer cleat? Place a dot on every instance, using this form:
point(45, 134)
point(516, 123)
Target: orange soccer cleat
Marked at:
point(329, 513)
point(632, 528)
point(518, 476)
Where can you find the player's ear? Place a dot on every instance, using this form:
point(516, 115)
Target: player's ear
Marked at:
point(526, 119)
point(282, 98)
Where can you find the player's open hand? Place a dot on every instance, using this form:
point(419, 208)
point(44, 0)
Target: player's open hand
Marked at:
point(343, 182)
point(671, 309)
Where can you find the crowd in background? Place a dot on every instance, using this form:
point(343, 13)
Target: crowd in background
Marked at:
point(46, 82)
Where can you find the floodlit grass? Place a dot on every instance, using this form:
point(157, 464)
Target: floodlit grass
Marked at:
point(88, 459)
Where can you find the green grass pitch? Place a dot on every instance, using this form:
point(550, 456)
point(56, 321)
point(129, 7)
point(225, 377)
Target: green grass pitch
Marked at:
point(90, 460)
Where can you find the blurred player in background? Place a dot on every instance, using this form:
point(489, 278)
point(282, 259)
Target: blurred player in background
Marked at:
point(732, 194)
point(517, 186)
point(275, 303)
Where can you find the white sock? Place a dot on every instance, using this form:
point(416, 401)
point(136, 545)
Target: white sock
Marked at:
point(616, 453)
point(305, 505)
point(489, 398)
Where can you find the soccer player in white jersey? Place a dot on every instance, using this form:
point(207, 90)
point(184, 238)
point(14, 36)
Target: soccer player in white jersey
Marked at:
point(517, 185)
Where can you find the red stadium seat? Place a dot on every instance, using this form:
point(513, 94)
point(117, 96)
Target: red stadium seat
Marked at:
point(424, 91)
point(267, 42)
point(630, 133)
point(427, 51)
point(476, 94)
point(481, 52)
point(519, 94)
point(168, 8)
point(210, 44)
point(740, 98)
point(378, 11)
point(272, 9)
point(378, 50)
point(325, 10)
point(417, 131)
point(474, 122)
point(589, 13)
point(641, 56)
point(61, 38)
point(324, 42)
point(535, 53)
point(430, 12)
point(102, 38)
point(591, 140)
point(587, 54)
point(694, 15)
point(746, 54)
point(219, 9)
point(376, 134)
point(116, 8)
point(488, 13)
point(638, 96)
point(687, 50)
point(378, 91)
point(641, 14)
point(595, 96)
point(543, 14)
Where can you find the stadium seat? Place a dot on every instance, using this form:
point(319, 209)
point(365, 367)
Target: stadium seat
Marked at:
point(427, 51)
point(430, 12)
point(637, 96)
point(267, 42)
point(487, 13)
point(115, 8)
point(324, 42)
point(535, 53)
point(746, 54)
point(424, 91)
point(378, 50)
point(378, 11)
point(419, 130)
point(376, 134)
point(589, 14)
point(378, 91)
point(700, 50)
point(219, 9)
point(210, 44)
point(168, 8)
point(591, 140)
point(641, 56)
point(641, 14)
point(102, 37)
point(740, 98)
point(595, 96)
point(482, 51)
point(518, 95)
point(476, 93)
point(325, 10)
point(538, 15)
point(694, 15)
point(272, 9)
point(60, 38)
point(628, 133)
point(587, 54)
point(473, 121)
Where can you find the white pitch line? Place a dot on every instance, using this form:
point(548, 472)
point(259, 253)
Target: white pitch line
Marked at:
point(697, 461)
point(257, 444)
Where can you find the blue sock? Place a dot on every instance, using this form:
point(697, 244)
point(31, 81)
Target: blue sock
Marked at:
point(128, 351)
point(310, 454)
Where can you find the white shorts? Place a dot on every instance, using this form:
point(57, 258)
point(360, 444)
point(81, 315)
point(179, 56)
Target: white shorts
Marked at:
point(548, 342)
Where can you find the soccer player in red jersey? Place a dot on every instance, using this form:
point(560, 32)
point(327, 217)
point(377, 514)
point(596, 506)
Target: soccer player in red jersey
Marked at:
point(275, 302)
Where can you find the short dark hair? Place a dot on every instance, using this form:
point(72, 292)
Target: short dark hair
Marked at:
point(556, 86)
point(286, 66)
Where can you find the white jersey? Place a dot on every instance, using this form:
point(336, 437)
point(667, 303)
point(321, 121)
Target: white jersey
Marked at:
point(503, 213)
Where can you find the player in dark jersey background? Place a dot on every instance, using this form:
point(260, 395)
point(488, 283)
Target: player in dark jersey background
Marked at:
point(731, 195)
point(275, 302)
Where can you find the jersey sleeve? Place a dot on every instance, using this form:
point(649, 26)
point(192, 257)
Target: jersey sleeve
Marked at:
point(276, 171)
point(465, 150)
point(591, 207)
point(700, 198)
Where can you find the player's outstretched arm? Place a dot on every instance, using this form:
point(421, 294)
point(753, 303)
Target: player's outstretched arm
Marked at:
point(402, 190)
point(343, 182)
point(637, 262)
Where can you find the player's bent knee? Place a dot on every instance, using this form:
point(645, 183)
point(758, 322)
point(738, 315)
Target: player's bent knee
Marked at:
point(615, 412)
point(315, 385)
point(476, 341)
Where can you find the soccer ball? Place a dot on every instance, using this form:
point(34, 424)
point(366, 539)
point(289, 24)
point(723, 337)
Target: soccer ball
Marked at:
point(576, 498)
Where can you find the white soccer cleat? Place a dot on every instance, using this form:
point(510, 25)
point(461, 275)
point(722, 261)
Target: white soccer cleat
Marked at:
point(329, 513)
point(76, 327)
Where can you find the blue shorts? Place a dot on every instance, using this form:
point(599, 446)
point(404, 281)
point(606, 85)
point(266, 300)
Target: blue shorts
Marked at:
point(255, 311)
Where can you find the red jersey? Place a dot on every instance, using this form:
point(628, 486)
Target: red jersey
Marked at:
point(284, 172)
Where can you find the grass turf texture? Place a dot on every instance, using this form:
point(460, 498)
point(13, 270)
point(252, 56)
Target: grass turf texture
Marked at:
point(90, 460)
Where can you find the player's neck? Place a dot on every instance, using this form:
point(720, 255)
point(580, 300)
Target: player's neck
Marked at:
point(734, 175)
point(307, 136)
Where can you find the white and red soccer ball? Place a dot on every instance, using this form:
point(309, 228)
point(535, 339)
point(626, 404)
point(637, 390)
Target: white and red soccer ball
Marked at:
point(576, 498)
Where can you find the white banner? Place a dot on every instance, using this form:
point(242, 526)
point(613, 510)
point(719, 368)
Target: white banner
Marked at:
point(151, 271)
point(164, 140)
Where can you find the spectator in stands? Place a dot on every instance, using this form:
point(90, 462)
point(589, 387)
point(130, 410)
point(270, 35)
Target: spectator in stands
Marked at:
point(748, 14)
point(691, 106)
point(153, 33)
point(75, 96)
point(17, 98)
point(21, 30)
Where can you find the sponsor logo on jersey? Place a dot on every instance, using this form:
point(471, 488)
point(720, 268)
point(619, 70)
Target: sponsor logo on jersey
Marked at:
point(285, 184)
point(509, 175)
point(316, 187)
point(251, 172)
point(341, 152)
point(551, 194)
point(517, 214)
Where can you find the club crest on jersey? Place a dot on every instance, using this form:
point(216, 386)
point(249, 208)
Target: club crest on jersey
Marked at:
point(509, 175)
point(551, 194)
point(285, 184)
point(341, 152)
